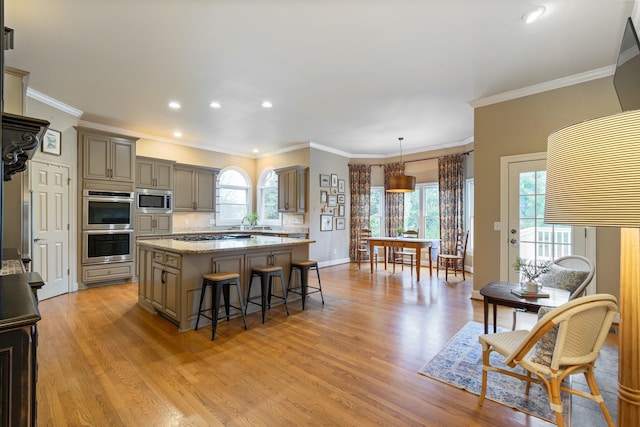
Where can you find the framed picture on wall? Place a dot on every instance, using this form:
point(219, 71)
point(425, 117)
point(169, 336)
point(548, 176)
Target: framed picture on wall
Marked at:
point(323, 197)
point(326, 222)
point(333, 201)
point(334, 180)
point(52, 142)
point(341, 186)
point(340, 223)
point(324, 180)
point(340, 210)
point(341, 198)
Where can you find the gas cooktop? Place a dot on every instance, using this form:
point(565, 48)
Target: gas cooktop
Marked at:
point(205, 237)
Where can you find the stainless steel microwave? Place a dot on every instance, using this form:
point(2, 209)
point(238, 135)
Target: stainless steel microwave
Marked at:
point(154, 201)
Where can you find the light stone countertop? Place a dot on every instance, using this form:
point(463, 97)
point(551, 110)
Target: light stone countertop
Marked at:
point(208, 246)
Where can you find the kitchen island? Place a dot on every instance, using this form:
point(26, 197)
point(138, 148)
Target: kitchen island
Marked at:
point(170, 271)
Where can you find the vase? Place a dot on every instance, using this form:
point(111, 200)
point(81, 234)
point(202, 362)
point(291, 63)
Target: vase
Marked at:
point(530, 286)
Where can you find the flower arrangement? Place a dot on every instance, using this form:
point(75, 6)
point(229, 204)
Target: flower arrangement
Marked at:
point(531, 270)
point(251, 218)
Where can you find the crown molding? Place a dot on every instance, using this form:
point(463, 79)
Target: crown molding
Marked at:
point(544, 87)
point(52, 102)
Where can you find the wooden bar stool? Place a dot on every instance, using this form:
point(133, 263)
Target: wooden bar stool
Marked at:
point(266, 275)
point(220, 283)
point(303, 268)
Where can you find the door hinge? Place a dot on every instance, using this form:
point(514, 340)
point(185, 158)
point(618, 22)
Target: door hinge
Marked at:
point(68, 272)
point(68, 227)
point(68, 181)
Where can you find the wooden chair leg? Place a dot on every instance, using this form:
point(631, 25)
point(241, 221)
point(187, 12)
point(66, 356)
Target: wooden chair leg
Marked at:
point(595, 392)
point(485, 362)
point(555, 401)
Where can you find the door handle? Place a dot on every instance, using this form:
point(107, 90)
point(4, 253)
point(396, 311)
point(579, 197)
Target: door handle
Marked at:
point(513, 241)
point(37, 239)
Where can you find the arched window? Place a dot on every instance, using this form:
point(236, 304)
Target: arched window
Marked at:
point(234, 196)
point(268, 198)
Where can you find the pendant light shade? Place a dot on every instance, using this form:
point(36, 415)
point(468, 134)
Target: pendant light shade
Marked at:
point(401, 183)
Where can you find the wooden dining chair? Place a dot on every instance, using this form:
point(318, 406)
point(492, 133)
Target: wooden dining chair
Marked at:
point(400, 254)
point(454, 262)
point(362, 251)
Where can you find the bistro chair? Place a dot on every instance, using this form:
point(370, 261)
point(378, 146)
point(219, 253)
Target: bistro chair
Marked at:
point(362, 252)
point(572, 273)
point(565, 341)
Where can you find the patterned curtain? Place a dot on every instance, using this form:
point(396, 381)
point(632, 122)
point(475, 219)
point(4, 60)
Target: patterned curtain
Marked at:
point(360, 185)
point(394, 202)
point(451, 188)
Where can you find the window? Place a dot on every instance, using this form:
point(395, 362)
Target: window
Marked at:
point(234, 201)
point(268, 198)
point(431, 211)
point(376, 212)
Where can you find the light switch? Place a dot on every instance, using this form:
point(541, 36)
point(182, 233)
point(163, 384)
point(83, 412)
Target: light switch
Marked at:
point(496, 226)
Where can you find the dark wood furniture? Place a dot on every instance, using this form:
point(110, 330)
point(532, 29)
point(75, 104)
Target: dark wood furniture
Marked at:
point(499, 293)
point(18, 342)
point(400, 242)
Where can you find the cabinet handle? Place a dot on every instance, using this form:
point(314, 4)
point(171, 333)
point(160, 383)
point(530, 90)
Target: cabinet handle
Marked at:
point(162, 277)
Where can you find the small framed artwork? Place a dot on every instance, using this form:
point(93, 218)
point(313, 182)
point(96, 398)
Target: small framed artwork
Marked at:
point(52, 142)
point(334, 180)
point(340, 210)
point(340, 223)
point(334, 190)
point(341, 198)
point(333, 201)
point(323, 197)
point(326, 222)
point(324, 180)
point(341, 186)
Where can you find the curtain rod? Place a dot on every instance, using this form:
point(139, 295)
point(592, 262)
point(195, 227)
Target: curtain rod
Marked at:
point(466, 153)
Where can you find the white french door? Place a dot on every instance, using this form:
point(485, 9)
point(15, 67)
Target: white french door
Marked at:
point(526, 235)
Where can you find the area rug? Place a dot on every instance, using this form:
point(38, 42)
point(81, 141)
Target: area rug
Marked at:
point(459, 364)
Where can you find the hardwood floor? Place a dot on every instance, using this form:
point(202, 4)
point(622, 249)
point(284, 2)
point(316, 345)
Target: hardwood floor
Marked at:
point(104, 361)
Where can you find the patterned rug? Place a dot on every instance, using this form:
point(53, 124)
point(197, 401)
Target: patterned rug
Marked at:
point(459, 364)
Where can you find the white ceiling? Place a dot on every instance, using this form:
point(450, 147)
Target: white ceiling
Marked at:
point(351, 75)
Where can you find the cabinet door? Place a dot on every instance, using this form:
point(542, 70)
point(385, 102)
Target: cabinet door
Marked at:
point(172, 295)
point(301, 190)
point(96, 157)
point(205, 190)
point(144, 173)
point(163, 223)
point(256, 259)
point(164, 176)
point(282, 259)
point(183, 196)
point(231, 264)
point(284, 191)
point(123, 155)
point(157, 286)
point(144, 224)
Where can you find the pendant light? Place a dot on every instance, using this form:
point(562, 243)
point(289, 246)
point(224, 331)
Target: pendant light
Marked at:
point(401, 183)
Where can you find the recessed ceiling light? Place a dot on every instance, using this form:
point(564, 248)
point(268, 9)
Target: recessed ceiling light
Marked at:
point(215, 104)
point(267, 104)
point(255, 150)
point(533, 15)
point(174, 104)
point(177, 134)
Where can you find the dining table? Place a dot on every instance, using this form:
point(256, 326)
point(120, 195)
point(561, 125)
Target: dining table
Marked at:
point(401, 242)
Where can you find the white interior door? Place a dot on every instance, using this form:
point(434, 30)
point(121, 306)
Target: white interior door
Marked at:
point(527, 235)
point(49, 185)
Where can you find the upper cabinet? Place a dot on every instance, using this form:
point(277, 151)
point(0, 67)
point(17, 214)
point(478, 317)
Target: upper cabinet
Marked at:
point(107, 157)
point(292, 189)
point(154, 173)
point(195, 188)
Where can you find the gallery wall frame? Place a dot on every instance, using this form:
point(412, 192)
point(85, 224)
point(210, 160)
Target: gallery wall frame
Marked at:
point(326, 222)
point(52, 142)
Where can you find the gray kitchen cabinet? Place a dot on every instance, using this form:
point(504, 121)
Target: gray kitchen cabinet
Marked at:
point(194, 188)
point(292, 189)
point(166, 284)
point(107, 157)
point(154, 173)
point(150, 224)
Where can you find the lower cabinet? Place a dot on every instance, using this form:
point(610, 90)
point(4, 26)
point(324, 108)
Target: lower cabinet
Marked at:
point(165, 284)
point(107, 272)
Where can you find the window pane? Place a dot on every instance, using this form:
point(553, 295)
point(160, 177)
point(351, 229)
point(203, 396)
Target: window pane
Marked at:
point(431, 212)
point(233, 196)
point(232, 177)
point(411, 210)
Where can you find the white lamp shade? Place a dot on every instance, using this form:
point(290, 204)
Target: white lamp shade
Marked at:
point(593, 173)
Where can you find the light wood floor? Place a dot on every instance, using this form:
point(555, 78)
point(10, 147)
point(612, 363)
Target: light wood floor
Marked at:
point(104, 361)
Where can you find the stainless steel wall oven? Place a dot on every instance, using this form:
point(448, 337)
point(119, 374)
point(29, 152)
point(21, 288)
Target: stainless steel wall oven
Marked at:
point(105, 246)
point(107, 210)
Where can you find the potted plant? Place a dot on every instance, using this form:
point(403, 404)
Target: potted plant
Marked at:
point(251, 218)
point(530, 271)
point(399, 231)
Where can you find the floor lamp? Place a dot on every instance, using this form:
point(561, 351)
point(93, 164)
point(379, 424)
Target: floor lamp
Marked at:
point(593, 179)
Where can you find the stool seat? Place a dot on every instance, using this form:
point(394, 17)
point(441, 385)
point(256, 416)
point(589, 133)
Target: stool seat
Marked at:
point(266, 275)
point(214, 277)
point(303, 266)
point(220, 283)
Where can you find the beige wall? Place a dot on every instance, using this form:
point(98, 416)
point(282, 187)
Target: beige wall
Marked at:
point(522, 126)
